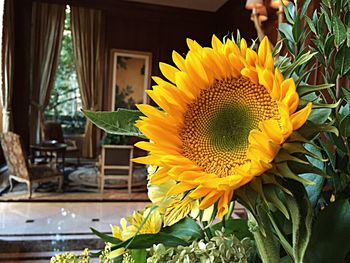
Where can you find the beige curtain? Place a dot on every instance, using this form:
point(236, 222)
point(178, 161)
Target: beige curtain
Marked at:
point(7, 57)
point(88, 46)
point(46, 38)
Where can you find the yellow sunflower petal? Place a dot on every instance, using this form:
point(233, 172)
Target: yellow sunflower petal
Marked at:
point(177, 210)
point(224, 203)
point(299, 118)
point(168, 71)
point(179, 61)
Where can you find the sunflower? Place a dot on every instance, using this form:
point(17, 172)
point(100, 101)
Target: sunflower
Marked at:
point(225, 113)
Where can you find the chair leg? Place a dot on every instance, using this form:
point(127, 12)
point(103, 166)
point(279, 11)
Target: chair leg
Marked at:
point(102, 185)
point(129, 186)
point(11, 184)
point(30, 190)
point(60, 183)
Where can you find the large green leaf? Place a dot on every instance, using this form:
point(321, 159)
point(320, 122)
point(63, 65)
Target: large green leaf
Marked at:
point(330, 239)
point(139, 255)
point(238, 227)
point(148, 240)
point(119, 122)
point(106, 237)
point(186, 229)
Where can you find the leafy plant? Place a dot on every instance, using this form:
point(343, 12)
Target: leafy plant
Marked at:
point(306, 192)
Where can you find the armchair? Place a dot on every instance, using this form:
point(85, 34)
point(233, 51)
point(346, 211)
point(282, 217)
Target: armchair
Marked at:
point(18, 167)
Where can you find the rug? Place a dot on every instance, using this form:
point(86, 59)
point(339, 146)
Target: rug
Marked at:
point(81, 179)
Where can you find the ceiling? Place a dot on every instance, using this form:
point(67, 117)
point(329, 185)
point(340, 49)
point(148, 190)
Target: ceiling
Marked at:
point(204, 5)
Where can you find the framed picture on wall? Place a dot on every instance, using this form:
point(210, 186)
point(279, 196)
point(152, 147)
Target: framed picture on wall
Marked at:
point(130, 77)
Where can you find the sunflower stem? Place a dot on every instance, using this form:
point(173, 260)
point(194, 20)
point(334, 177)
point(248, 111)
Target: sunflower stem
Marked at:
point(267, 244)
point(207, 230)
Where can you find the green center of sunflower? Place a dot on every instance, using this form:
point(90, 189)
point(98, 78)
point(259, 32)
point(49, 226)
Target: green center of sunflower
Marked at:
point(217, 124)
point(229, 127)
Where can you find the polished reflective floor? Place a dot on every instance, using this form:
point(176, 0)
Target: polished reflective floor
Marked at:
point(34, 231)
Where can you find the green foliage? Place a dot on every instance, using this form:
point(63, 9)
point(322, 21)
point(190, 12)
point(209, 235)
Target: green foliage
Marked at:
point(220, 248)
point(330, 241)
point(72, 258)
point(328, 128)
point(179, 234)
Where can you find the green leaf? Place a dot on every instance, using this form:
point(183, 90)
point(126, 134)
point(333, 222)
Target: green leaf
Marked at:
point(237, 227)
point(348, 36)
point(286, 31)
point(313, 190)
point(346, 94)
point(319, 116)
point(139, 255)
point(284, 171)
point(316, 105)
point(186, 229)
point(342, 60)
point(344, 126)
point(305, 7)
point(301, 214)
point(277, 49)
point(329, 45)
point(339, 30)
point(148, 240)
point(286, 259)
point(296, 29)
point(272, 197)
point(310, 130)
point(330, 240)
point(119, 122)
point(307, 89)
point(311, 24)
point(105, 237)
point(288, 15)
point(301, 60)
point(328, 21)
point(300, 168)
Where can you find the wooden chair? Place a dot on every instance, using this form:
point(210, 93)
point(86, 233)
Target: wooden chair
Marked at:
point(18, 167)
point(116, 163)
point(53, 131)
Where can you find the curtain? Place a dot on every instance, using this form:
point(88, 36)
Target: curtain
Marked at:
point(88, 47)
point(46, 38)
point(7, 58)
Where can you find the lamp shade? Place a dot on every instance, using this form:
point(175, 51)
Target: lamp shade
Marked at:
point(251, 4)
point(261, 12)
point(277, 3)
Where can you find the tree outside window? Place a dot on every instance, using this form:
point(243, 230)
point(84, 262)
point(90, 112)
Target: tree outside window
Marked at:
point(65, 101)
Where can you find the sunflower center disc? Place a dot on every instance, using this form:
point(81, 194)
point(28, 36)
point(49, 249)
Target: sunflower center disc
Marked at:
point(217, 124)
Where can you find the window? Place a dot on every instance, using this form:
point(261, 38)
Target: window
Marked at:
point(65, 101)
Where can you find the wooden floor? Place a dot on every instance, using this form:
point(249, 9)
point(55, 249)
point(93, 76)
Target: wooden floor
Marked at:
point(108, 195)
